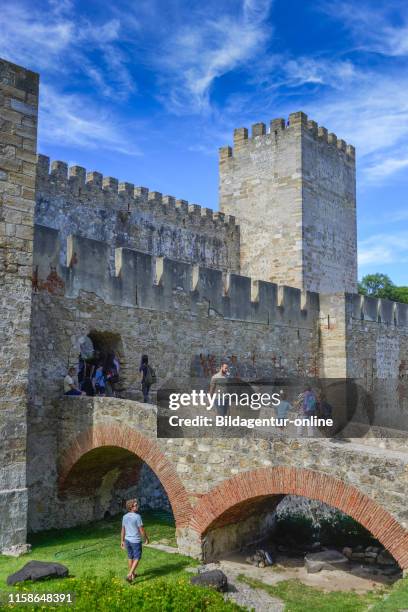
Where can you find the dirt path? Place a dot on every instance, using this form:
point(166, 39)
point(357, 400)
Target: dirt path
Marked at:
point(287, 569)
point(241, 593)
point(360, 580)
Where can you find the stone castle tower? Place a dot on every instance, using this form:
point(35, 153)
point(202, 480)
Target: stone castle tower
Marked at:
point(293, 193)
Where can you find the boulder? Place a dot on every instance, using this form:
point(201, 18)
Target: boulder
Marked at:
point(17, 551)
point(373, 549)
point(347, 552)
point(371, 555)
point(216, 579)
point(325, 560)
point(38, 570)
point(384, 558)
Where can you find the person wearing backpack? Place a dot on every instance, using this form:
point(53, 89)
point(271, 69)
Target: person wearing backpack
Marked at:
point(148, 377)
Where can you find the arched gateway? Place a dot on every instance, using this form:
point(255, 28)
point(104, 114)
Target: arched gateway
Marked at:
point(251, 492)
point(122, 437)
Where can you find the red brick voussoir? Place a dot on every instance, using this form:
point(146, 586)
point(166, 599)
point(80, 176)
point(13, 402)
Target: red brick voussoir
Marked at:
point(147, 450)
point(282, 480)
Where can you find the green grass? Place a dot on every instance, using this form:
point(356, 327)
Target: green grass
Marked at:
point(299, 597)
point(397, 599)
point(98, 567)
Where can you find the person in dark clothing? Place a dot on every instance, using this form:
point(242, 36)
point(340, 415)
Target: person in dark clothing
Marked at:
point(144, 377)
point(87, 384)
point(81, 370)
point(111, 372)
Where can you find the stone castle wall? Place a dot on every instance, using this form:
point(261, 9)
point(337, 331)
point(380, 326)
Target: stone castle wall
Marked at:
point(74, 201)
point(377, 354)
point(293, 192)
point(184, 330)
point(365, 340)
point(18, 141)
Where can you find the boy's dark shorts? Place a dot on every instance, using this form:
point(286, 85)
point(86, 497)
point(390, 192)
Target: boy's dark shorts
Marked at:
point(134, 549)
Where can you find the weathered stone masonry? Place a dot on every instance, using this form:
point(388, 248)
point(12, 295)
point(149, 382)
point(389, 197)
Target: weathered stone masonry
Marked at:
point(214, 484)
point(18, 142)
point(83, 203)
point(163, 277)
point(293, 191)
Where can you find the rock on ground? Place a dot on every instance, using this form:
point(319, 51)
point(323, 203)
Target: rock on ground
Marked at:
point(216, 579)
point(37, 570)
point(326, 559)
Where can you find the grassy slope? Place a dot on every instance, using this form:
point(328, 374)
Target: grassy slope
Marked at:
point(98, 566)
point(95, 549)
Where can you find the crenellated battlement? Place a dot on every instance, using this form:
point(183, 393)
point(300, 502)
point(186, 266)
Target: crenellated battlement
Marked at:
point(372, 309)
point(57, 178)
point(279, 128)
point(141, 280)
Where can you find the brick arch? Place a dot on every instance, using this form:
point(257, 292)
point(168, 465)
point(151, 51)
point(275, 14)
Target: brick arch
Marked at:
point(126, 438)
point(263, 482)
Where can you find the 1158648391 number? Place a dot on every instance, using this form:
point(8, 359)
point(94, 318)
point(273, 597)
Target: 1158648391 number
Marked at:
point(40, 598)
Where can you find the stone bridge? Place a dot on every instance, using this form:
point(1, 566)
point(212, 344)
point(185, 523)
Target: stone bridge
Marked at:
point(223, 491)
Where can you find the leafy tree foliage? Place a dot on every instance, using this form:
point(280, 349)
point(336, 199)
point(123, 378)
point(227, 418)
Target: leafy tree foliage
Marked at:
point(380, 285)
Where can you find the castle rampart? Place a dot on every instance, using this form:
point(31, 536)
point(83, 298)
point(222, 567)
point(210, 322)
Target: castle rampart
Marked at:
point(75, 201)
point(140, 280)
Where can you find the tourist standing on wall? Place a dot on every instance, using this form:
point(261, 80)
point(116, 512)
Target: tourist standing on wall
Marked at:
point(131, 537)
point(307, 402)
point(218, 384)
point(100, 380)
point(147, 377)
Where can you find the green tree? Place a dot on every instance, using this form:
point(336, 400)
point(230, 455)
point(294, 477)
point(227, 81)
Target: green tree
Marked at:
point(380, 285)
point(400, 294)
point(377, 285)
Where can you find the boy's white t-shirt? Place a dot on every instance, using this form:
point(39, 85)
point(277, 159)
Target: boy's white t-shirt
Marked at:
point(131, 522)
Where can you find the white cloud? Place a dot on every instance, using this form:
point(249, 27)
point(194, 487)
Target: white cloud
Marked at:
point(384, 168)
point(75, 121)
point(371, 113)
point(384, 249)
point(207, 48)
point(71, 51)
point(372, 110)
point(373, 26)
point(56, 40)
point(320, 71)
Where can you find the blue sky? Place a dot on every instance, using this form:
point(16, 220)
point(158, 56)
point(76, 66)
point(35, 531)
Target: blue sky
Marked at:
point(147, 91)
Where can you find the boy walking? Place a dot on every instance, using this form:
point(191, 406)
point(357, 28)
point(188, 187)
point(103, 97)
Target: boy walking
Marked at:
point(131, 536)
